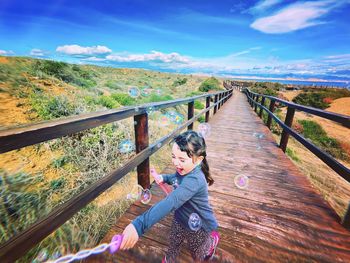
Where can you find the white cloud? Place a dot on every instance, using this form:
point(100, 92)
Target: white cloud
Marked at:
point(83, 51)
point(244, 52)
point(6, 53)
point(263, 5)
point(152, 56)
point(37, 52)
point(296, 16)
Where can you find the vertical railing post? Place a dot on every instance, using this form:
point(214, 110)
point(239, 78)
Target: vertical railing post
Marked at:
point(141, 142)
point(271, 108)
point(219, 105)
point(285, 134)
point(207, 105)
point(256, 104)
point(190, 113)
point(261, 108)
point(215, 101)
point(346, 219)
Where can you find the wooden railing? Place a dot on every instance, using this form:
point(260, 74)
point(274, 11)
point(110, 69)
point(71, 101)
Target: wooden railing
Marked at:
point(16, 138)
point(258, 101)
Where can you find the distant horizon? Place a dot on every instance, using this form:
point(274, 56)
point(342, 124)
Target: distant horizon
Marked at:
point(288, 80)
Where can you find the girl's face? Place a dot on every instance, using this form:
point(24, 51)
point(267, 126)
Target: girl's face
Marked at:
point(182, 162)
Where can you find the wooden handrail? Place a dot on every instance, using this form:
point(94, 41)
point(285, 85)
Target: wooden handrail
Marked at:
point(18, 245)
point(344, 120)
point(15, 138)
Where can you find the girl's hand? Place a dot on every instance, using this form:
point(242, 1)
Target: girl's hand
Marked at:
point(130, 237)
point(160, 179)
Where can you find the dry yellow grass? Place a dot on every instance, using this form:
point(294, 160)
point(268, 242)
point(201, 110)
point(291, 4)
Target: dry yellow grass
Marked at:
point(328, 183)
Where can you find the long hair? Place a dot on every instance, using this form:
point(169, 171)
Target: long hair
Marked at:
point(194, 145)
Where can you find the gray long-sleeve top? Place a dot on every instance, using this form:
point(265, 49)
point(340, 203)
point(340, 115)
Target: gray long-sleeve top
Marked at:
point(191, 196)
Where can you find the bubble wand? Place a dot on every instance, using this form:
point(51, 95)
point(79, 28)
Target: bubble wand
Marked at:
point(157, 177)
point(113, 246)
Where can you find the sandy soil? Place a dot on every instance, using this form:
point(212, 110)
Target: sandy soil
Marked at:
point(291, 94)
point(341, 106)
point(12, 110)
point(4, 60)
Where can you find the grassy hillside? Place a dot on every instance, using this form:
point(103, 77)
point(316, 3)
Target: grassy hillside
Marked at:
point(35, 179)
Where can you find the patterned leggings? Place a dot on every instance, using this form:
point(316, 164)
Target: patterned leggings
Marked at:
point(198, 242)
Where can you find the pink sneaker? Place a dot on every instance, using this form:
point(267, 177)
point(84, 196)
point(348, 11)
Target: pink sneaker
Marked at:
point(215, 241)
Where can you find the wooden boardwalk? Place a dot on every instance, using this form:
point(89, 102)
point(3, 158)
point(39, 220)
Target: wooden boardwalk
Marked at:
point(277, 218)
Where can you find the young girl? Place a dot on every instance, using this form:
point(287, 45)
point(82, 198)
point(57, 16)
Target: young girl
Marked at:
point(193, 219)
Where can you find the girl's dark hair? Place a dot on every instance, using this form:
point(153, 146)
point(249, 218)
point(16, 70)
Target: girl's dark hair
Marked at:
point(193, 144)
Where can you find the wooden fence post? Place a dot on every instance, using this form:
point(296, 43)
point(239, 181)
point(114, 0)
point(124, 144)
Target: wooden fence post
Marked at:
point(261, 108)
point(141, 142)
point(271, 108)
point(207, 104)
point(256, 104)
point(190, 113)
point(215, 101)
point(285, 134)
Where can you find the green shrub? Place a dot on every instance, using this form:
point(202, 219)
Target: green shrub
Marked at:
point(108, 102)
point(179, 82)
point(210, 84)
point(65, 72)
point(194, 93)
point(112, 84)
point(20, 204)
point(320, 98)
point(57, 184)
point(319, 137)
point(52, 107)
point(123, 99)
point(198, 105)
point(311, 99)
point(201, 119)
point(59, 162)
point(157, 98)
point(292, 154)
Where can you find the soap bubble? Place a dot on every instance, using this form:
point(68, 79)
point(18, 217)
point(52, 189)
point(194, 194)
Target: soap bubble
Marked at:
point(241, 181)
point(204, 130)
point(138, 193)
point(135, 193)
point(146, 92)
point(164, 120)
point(146, 196)
point(258, 135)
point(194, 222)
point(134, 92)
point(126, 146)
point(158, 92)
point(176, 117)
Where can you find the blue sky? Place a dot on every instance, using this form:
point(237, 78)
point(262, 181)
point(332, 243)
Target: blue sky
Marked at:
point(268, 38)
